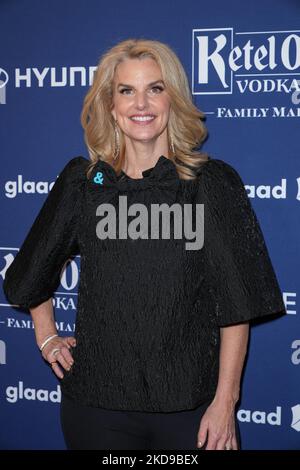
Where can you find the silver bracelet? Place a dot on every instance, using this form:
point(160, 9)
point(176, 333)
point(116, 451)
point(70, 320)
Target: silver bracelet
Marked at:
point(46, 342)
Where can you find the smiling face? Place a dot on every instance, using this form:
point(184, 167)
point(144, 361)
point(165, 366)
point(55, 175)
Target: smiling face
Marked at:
point(141, 104)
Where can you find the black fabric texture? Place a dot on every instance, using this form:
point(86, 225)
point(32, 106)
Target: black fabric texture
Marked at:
point(149, 311)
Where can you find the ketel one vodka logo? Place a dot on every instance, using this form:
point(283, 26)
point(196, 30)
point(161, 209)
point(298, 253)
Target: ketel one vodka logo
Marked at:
point(253, 62)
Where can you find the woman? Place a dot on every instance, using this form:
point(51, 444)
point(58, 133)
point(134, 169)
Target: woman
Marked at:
point(161, 330)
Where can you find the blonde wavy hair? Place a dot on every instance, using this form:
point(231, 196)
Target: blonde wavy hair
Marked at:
point(185, 127)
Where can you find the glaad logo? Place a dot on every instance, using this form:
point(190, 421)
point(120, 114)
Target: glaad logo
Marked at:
point(296, 353)
point(260, 417)
point(255, 58)
point(265, 191)
point(3, 82)
point(13, 394)
point(296, 417)
point(2, 352)
point(13, 188)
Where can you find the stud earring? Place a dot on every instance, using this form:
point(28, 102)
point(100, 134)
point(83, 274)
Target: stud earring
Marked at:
point(117, 141)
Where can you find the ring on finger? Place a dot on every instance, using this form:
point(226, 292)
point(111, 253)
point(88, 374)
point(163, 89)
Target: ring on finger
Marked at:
point(55, 351)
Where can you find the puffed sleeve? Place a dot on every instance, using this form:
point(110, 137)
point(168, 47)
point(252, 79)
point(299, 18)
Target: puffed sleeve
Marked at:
point(34, 274)
point(241, 277)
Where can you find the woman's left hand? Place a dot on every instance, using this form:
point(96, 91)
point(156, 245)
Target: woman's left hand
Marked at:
point(218, 427)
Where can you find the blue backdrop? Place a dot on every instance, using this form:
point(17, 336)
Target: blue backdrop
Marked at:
point(245, 84)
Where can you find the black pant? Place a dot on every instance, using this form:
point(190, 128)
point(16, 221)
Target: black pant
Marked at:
point(85, 427)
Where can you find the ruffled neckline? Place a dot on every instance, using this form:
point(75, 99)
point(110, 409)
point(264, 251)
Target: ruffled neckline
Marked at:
point(163, 167)
point(162, 180)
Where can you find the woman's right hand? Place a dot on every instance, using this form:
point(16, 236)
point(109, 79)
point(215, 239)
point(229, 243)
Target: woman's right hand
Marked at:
point(58, 353)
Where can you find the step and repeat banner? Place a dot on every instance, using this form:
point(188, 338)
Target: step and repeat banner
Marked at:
point(243, 65)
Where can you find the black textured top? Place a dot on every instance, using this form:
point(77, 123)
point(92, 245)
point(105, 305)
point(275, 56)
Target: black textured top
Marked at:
point(149, 311)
